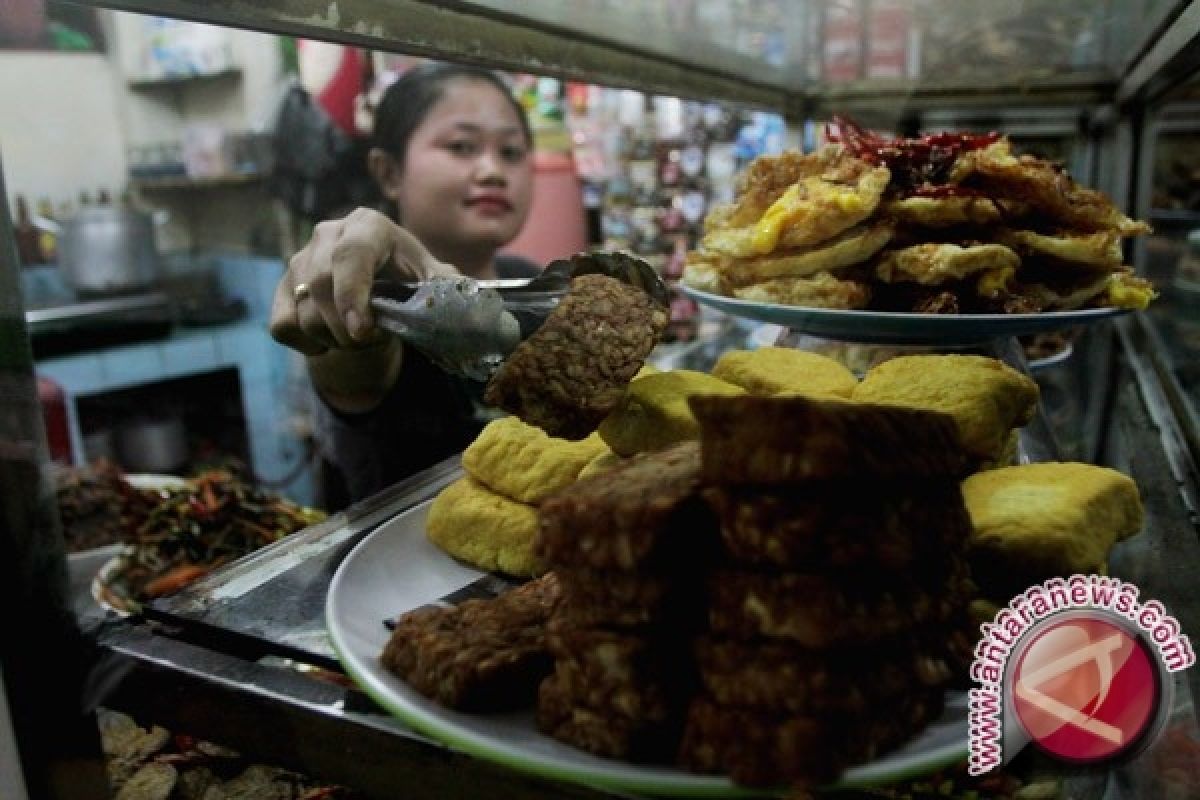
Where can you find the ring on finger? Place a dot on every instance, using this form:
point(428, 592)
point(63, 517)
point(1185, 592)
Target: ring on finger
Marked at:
point(300, 292)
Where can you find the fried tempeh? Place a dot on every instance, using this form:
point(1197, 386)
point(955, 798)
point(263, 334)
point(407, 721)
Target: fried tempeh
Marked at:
point(835, 524)
point(571, 372)
point(642, 512)
point(760, 749)
point(482, 655)
point(772, 440)
point(782, 677)
point(821, 611)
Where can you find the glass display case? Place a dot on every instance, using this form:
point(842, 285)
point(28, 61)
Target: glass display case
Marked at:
point(1103, 86)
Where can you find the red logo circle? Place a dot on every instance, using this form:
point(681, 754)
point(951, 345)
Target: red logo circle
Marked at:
point(1084, 688)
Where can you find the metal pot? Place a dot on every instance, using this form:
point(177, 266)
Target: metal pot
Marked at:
point(108, 250)
point(153, 445)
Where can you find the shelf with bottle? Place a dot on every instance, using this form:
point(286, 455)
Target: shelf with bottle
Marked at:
point(181, 80)
point(208, 157)
point(673, 161)
point(186, 182)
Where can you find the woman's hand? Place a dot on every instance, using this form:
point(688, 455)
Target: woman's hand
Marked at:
point(322, 302)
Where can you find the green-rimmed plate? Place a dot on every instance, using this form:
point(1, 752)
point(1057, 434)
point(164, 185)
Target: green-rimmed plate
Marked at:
point(893, 327)
point(395, 569)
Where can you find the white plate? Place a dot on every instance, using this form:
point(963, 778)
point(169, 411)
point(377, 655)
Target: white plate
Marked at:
point(1054, 359)
point(104, 597)
point(395, 569)
point(888, 327)
point(147, 480)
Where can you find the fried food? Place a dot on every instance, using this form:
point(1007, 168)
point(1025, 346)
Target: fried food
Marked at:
point(644, 511)
point(828, 192)
point(943, 212)
point(523, 463)
point(1036, 521)
point(1008, 454)
point(986, 398)
point(935, 264)
point(1118, 290)
point(1125, 290)
point(1101, 250)
point(1044, 186)
point(600, 732)
point(782, 439)
point(482, 655)
point(849, 247)
point(771, 370)
point(613, 693)
point(757, 748)
point(601, 463)
point(702, 274)
point(819, 291)
point(971, 228)
point(832, 524)
point(782, 677)
point(613, 658)
point(484, 529)
point(654, 413)
point(645, 701)
point(594, 598)
point(820, 610)
point(572, 371)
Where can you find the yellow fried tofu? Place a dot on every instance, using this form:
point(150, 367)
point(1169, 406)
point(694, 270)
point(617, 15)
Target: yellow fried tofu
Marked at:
point(775, 370)
point(654, 413)
point(485, 530)
point(1008, 454)
point(524, 463)
point(1036, 521)
point(647, 369)
point(986, 397)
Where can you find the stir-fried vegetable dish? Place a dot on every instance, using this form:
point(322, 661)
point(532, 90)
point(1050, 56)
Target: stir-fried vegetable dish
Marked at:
point(176, 536)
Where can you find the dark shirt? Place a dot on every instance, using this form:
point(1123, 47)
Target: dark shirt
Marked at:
point(426, 417)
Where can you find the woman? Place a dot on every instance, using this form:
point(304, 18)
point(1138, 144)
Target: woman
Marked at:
point(451, 155)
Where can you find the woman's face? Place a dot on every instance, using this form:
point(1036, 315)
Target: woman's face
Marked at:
point(467, 177)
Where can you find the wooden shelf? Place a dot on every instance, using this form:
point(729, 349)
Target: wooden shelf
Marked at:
point(183, 182)
point(184, 80)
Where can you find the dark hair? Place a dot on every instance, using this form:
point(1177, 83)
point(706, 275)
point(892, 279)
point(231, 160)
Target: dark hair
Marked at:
point(406, 103)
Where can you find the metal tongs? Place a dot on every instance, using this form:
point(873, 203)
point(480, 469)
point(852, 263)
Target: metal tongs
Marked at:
point(468, 327)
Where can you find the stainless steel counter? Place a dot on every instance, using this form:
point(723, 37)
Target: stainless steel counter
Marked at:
point(242, 658)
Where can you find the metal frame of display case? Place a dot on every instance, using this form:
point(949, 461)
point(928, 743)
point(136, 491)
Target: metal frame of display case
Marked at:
point(485, 35)
point(238, 686)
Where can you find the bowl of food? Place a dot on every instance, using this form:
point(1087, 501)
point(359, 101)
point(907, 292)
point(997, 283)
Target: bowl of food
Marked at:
point(179, 531)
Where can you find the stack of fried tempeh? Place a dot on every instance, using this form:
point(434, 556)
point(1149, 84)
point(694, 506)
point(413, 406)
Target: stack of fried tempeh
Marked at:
point(844, 529)
point(630, 547)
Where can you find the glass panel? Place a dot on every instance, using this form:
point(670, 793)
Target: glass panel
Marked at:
point(1172, 253)
point(1006, 65)
point(839, 41)
point(766, 39)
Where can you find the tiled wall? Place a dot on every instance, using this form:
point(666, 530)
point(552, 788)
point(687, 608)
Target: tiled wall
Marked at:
point(273, 385)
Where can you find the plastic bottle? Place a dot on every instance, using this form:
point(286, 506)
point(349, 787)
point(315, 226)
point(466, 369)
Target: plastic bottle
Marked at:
point(47, 231)
point(29, 251)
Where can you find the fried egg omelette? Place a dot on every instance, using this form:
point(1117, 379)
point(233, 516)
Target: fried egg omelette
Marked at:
point(951, 223)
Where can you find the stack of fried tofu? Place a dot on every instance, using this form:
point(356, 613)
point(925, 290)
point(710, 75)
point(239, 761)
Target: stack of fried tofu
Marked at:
point(988, 399)
point(630, 548)
point(488, 517)
point(843, 532)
